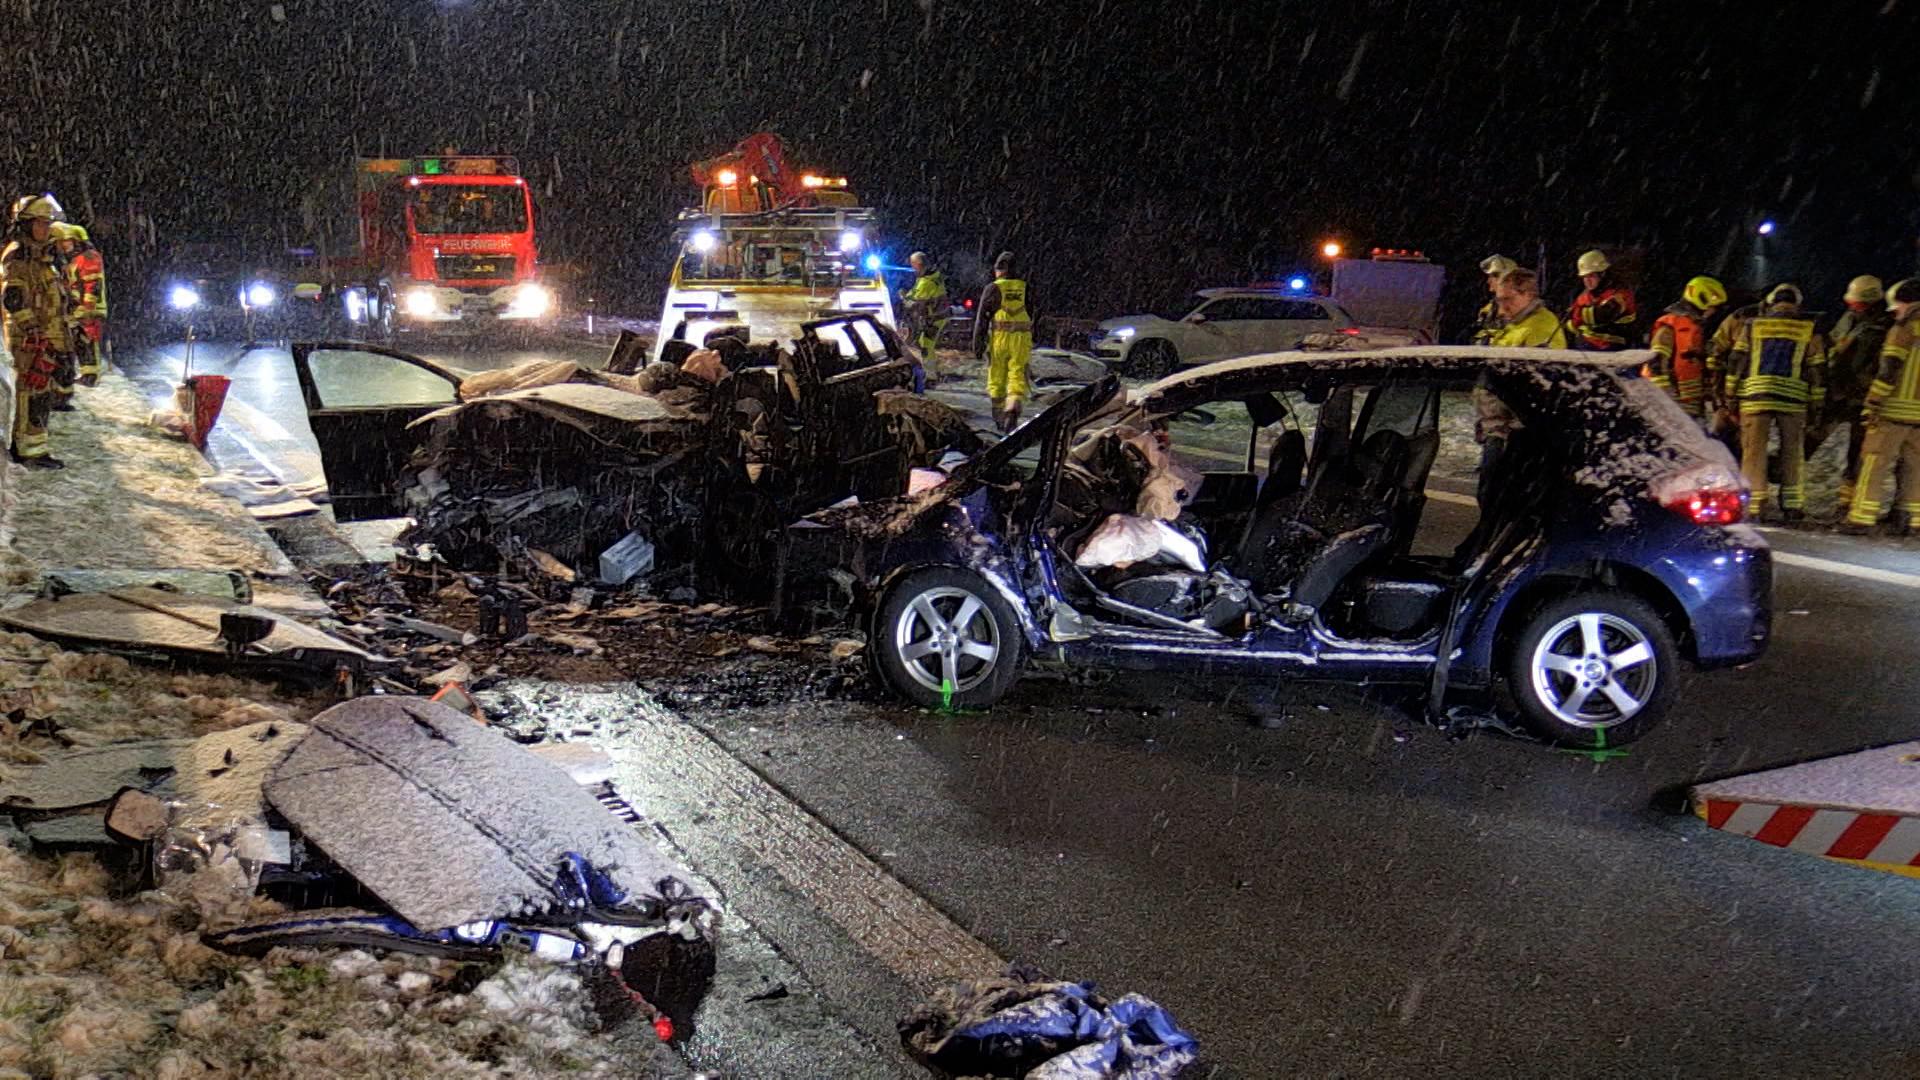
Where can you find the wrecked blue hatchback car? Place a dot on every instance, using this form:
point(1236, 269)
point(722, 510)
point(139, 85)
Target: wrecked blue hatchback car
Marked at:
point(1456, 519)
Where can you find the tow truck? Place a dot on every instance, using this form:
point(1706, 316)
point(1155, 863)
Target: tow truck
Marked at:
point(1393, 287)
point(767, 251)
point(438, 242)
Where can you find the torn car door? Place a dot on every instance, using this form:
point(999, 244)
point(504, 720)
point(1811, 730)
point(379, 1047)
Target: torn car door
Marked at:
point(360, 399)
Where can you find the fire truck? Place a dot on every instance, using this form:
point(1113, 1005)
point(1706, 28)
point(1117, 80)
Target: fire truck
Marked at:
point(769, 249)
point(438, 242)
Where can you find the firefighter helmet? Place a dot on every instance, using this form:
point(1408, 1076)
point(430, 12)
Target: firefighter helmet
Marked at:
point(1785, 293)
point(41, 207)
point(1594, 262)
point(1704, 292)
point(1904, 292)
point(1496, 265)
point(1864, 289)
point(63, 230)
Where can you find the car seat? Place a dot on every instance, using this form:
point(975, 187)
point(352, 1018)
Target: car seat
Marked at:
point(1314, 538)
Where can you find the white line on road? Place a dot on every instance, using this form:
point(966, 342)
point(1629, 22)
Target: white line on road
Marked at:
point(1831, 566)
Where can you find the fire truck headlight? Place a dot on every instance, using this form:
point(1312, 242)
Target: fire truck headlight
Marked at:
point(261, 295)
point(183, 298)
point(703, 241)
point(532, 301)
point(850, 241)
point(420, 301)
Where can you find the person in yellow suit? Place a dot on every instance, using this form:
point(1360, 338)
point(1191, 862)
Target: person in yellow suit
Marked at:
point(86, 298)
point(1528, 323)
point(1003, 336)
point(926, 305)
point(1776, 374)
point(1893, 420)
point(35, 301)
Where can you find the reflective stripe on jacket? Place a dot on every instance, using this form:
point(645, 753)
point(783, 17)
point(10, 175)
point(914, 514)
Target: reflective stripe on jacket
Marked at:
point(1603, 320)
point(1895, 393)
point(1778, 364)
point(1680, 355)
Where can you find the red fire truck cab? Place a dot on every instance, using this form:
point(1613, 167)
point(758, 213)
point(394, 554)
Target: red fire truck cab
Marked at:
point(444, 240)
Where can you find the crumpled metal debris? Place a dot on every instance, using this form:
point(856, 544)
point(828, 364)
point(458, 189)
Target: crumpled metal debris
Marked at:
point(448, 821)
point(149, 621)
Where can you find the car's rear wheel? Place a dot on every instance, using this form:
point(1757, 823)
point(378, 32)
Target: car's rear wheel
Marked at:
point(945, 638)
point(1594, 670)
point(1153, 359)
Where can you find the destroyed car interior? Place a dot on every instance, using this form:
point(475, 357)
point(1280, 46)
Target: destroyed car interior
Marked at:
point(701, 459)
point(1298, 534)
point(1274, 515)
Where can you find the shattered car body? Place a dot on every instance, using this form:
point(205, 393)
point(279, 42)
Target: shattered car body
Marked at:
point(705, 462)
point(1606, 550)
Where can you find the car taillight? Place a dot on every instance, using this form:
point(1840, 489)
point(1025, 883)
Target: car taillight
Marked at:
point(1704, 495)
point(1351, 331)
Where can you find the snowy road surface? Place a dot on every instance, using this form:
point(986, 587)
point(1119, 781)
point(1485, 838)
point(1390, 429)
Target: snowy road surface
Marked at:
point(1353, 894)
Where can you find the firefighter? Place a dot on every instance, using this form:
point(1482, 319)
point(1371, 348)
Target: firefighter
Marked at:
point(1776, 376)
point(1487, 324)
point(1892, 419)
point(1724, 424)
point(86, 297)
point(1680, 346)
point(35, 302)
point(1603, 315)
point(1003, 336)
point(1525, 320)
point(927, 313)
point(1853, 358)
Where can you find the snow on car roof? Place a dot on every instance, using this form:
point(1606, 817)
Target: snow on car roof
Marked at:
point(1458, 355)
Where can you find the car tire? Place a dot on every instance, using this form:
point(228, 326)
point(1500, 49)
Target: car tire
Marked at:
point(980, 662)
point(1594, 670)
point(1153, 359)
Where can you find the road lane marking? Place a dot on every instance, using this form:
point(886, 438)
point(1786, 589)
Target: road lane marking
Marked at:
point(1863, 573)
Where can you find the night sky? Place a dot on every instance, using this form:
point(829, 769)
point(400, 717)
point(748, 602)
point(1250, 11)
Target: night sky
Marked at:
point(1131, 151)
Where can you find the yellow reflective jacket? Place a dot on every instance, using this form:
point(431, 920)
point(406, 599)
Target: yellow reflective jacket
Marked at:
point(1895, 393)
point(35, 299)
point(1535, 328)
point(1778, 364)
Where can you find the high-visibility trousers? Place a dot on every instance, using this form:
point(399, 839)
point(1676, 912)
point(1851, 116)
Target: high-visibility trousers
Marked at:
point(1889, 445)
point(1755, 427)
point(1008, 354)
point(32, 402)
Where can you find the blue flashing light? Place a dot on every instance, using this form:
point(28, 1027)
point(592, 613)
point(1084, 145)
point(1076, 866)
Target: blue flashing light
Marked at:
point(1766, 228)
point(873, 263)
point(1297, 284)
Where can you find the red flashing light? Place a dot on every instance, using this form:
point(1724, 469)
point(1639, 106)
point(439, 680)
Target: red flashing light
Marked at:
point(1351, 331)
point(663, 1027)
point(967, 303)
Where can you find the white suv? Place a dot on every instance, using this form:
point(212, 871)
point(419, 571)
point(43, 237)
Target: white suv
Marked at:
point(1218, 324)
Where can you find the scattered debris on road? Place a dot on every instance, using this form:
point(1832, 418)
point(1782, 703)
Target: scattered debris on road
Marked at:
point(1020, 1025)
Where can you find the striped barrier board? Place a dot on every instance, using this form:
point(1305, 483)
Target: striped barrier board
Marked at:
point(1861, 808)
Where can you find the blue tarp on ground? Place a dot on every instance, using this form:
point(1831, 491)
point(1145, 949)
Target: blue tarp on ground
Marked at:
point(1018, 1027)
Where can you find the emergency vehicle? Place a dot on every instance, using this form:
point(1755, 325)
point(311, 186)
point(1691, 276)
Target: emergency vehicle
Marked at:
point(1392, 287)
point(440, 241)
point(769, 249)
